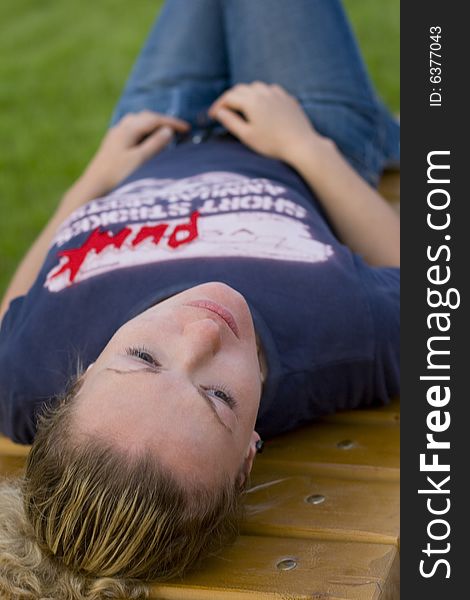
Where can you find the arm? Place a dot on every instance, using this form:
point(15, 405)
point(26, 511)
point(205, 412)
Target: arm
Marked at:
point(361, 217)
point(125, 147)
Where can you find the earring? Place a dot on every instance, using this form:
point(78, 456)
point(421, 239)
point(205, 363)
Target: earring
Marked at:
point(259, 446)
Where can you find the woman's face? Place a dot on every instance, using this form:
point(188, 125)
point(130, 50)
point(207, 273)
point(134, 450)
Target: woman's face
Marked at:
point(183, 378)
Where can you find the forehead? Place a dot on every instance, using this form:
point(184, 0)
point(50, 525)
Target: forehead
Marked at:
point(177, 424)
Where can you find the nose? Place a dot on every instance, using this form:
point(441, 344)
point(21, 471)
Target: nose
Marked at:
point(200, 341)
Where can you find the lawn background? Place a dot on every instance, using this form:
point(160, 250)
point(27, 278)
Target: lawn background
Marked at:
point(62, 66)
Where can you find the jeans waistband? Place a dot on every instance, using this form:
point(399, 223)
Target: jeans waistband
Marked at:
point(198, 135)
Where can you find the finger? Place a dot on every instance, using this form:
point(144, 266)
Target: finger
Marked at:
point(235, 98)
point(260, 85)
point(174, 122)
point(277, 88)
point(156, 117)
point(233, 122)
point(141, 124)
point(232, 103)
point(155, 142)
point(149, 120)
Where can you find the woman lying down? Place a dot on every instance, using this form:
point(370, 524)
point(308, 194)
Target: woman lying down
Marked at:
point(222, 272)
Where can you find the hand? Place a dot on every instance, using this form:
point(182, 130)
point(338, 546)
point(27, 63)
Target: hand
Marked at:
point(274, 124)
point(126, 146)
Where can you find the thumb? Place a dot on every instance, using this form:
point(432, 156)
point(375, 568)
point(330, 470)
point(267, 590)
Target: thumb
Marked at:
point(156, 142)
point(233, 122)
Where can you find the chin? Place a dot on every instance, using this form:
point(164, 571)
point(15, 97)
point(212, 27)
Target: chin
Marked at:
point(220, 289)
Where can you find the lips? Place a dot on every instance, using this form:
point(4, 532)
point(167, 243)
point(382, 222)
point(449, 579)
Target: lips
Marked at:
point(224, 313)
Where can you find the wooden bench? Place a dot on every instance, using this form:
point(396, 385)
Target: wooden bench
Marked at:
point(323, 516)
point(323, 511)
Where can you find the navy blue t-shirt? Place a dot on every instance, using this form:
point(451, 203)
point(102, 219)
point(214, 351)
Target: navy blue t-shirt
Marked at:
point(329, 323)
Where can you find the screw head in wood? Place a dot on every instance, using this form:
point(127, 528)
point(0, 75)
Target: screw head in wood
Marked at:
point(287, 564)
point(345, 444)
point(315, 499)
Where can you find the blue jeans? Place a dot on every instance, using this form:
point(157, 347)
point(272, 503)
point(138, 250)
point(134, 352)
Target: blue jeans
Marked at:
point(199, 48)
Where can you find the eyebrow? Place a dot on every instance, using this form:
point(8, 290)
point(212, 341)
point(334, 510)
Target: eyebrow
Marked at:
point(199, 391)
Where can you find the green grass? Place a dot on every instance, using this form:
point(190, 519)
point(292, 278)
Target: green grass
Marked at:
point(62, 66)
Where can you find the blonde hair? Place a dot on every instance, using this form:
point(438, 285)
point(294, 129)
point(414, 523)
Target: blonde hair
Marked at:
point(86, 521)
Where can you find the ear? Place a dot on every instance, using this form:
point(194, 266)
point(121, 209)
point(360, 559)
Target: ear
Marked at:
point(249, 457)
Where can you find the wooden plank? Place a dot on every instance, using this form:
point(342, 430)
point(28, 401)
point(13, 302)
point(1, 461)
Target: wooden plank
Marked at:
point(322, 442)
point(311, 506)
point(383, 414)
point(11, 465)
point(372, 447)
point(345, 547)
point(9, 448)
point(353, 449)
point(324, 569)
point(391, 588)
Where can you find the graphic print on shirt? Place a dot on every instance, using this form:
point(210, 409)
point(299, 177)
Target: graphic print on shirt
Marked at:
point(216, 214)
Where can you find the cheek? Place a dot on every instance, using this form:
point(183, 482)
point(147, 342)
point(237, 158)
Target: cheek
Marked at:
point(138, 330)
point(242, 363)
point(249, 380)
